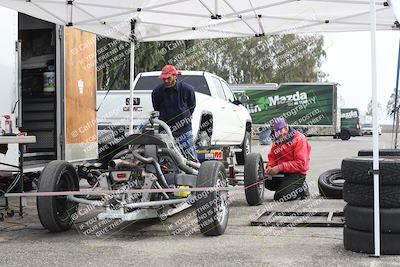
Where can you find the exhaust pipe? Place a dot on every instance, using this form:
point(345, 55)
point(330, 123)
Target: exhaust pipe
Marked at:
point(121, 154)
point(123, 164)
point(125, 152)
point(179, 160)
point(160, 175)
point(176, 154)
point(192, 164)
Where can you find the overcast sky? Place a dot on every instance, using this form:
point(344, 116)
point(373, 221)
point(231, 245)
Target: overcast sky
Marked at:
point(348, 63)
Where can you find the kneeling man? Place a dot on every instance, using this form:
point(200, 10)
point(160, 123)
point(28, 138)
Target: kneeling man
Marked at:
point(289, 161)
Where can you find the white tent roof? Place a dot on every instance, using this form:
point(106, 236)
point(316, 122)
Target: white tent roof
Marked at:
point(158, 20)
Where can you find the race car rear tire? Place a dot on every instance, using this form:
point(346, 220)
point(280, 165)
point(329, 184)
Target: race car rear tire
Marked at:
point(212, 207)
point(254, 179)
point(328, 185)
point(56, 212)
point(246, 149)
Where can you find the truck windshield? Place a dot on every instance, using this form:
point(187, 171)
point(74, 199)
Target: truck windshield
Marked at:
point(148, 83)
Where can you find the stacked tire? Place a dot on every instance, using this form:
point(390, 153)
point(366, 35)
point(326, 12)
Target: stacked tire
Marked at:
point(382, 153)
point(358, 192)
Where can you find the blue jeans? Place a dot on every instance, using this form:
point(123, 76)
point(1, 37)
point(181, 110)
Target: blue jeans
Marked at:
point(186, 144)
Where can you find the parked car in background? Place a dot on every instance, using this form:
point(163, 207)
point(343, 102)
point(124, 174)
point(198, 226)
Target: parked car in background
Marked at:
point(367, 129)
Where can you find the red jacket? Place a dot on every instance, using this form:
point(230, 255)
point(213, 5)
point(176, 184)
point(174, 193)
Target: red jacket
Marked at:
point(292, 156)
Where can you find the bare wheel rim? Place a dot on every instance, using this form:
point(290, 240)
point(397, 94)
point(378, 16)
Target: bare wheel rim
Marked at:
point(221, 200)
point(336, 180)
point(248, 145)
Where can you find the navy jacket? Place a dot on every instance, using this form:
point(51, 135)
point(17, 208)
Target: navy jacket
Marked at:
point(175, 105)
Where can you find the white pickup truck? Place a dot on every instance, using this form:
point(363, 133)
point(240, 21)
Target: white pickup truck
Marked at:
point(218, 119)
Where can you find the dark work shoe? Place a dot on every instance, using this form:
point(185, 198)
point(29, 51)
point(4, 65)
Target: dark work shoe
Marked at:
point(306, 192)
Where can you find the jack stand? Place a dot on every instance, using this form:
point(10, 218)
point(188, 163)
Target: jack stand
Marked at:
point(231, 169)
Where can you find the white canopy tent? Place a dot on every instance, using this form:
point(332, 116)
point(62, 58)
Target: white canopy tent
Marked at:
point(158, 20)
point(161, 20)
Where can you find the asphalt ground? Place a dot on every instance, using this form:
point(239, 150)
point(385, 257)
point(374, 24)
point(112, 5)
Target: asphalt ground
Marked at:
point(176, 241)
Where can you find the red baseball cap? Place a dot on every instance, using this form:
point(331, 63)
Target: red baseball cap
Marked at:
point(167, 71)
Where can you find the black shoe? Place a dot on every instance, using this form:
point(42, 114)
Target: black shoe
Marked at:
point(306, 192)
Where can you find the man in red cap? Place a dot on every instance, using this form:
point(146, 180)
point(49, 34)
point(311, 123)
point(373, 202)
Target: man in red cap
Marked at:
point(176, 102)
point(290, 157)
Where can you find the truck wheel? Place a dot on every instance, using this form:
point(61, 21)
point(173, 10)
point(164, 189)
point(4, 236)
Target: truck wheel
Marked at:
point(344, 135)
point(55, 212)
point(246, 149)
point(330, 184)
point(212, 207)
point(254, 179)
point(203, 139)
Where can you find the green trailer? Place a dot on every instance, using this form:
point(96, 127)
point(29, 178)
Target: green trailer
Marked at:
point(311, 107)
point(350, 121)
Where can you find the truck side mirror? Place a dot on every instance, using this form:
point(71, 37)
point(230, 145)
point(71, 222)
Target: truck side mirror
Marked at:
point(244, 99)
point(237, 102)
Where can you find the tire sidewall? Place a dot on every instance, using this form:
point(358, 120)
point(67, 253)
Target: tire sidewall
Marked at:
point(363, 241)
point(362, 218)
point(345, 135)
point(252, 189)
point(241, 156)
point(358, 170)
point(206, 205)
point(47, 206)
point(363, 195)
point(247, 143)
point(327, 189)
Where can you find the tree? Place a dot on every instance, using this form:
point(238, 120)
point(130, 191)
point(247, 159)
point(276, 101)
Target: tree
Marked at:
point(112, 57)
point(149, 56)
point(369, 108)
point(274, 58)
point(390, 104)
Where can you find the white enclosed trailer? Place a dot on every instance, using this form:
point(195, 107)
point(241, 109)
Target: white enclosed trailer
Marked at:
point(48, 89)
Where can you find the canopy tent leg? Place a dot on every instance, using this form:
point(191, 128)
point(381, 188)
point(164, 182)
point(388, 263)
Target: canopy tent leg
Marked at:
point(395, 108)
point(132, 73)
point(377, 243)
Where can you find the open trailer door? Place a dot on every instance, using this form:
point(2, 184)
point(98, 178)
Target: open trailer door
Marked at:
point(9, 79)
point(80, 95)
